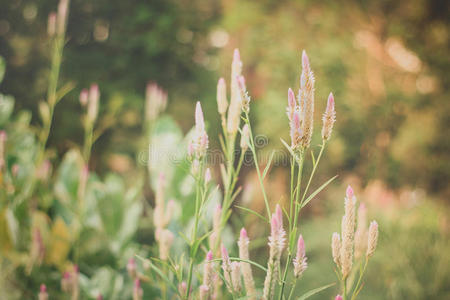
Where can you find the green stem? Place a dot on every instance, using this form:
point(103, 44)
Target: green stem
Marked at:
point(313, 171)
point(258, 171)
point(361, 274)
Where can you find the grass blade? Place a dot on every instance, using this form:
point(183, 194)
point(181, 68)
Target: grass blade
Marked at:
point(310, 197)
point(315, 291)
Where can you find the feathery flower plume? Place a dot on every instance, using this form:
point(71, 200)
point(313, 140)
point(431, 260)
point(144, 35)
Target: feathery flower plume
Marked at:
point(372, 239)
point(37, 248)
point(336, 249)
point(276, 246)
point(338, 297)
point(361, 232)
point(204, 292)
point(137, 290)
point(329, 117)
point(94, 96)
point(246, 269)
point(226, 267)
point(200, 139)
point(245, 136)
point(51, 24)
point(348, 233)
point(222, 102)
point(208, 273)
point(296, 130)
point(195, 167)
point(214, 238)
point(234, 110)
point(165, 240)
point(182, 288)
point(236, 276)
point(99, 297)
point(66, 282)
point(245, 98)
point(207, 175)
point(155, 101)
point(300, 263)
point(307, 96)
point(63, 8)
point(131, 268)
point(292, 104)
point(43, 295)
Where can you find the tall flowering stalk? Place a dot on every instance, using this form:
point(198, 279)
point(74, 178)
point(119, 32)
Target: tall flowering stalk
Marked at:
point(300, 113)
point(197, 153)
point(277, 243)
point(345, 245)
point(57, 22)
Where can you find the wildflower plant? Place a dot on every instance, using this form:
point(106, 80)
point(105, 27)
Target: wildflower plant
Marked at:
point(200, 266)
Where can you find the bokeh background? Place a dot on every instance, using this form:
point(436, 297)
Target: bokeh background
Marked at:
point(387, 63)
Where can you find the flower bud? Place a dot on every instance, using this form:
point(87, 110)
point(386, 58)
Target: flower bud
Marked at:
point(222, 103)
point(51, 24)
point(43, 295)
point(372, 239)
point(329, 117)
point(245, 137)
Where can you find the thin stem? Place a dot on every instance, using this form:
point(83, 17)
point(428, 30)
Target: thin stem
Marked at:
point(260, 179)
point(361, 273)
point(313, 170)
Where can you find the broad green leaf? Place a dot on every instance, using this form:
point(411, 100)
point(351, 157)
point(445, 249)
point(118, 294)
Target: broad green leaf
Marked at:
point(315, 291)
point(6, 108)
point(60, 242)
point(310, 197)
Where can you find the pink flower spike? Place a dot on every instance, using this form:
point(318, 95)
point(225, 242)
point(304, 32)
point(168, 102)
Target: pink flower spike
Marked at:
point(330, 103)
point(274, 225)
point(291, 99)
point(207, 175)
point(338, 297)
point(84, 97)
point(244, 233)
point(209, 256)
point(100, 297)
point(199, 120)
point(305, 60)
point(300, 246)
point(349, 192)
point(43, 288)
point(236, 55)
point(137, 283)
point(224, 252)
point(279, 214)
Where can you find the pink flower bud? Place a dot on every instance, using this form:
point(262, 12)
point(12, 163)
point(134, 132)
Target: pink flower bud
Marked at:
point(207, 175)
point(84, 97)
point(199, 120)
point(43, 295)
point(131, 267)
point(243, 234)
point(338, 297)
point(349, 192)
point(305, 60)
point(279, 215)
point(51, 24)
point(291, 99)
point(236, 55)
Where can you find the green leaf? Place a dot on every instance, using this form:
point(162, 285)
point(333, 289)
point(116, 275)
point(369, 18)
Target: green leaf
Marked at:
point(266, 169)
point(6, 108)
point(313, 158)
point(159, 272)
point(317, 191)
point(315, 291)
point(252, 212)
point(291, 151)
point(2, 68)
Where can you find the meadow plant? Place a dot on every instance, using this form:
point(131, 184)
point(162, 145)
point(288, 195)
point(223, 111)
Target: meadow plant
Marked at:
point(206, 270)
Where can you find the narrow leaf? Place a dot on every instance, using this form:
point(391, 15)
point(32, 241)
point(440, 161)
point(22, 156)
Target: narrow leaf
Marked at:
point(315, 291)
point(290, 150)
point(268, 165)
point(252, 212)
point(317, 191)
